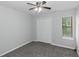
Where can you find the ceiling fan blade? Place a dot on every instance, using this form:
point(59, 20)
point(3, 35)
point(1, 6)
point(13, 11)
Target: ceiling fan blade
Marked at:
point(32, 8)
point(44, 2)
point(31, 4)
point(37, 3)
point(47, 7)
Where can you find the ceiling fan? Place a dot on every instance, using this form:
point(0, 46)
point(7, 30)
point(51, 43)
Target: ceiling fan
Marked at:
point(39, 6)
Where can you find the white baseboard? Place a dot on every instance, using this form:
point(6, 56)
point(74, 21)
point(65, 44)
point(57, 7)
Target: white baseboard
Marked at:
point(78, 52)
point(15, 48)
point(57, 45)
point(42, 41)
point(63, 46)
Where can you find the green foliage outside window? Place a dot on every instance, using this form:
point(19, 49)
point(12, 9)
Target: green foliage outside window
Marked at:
point(67, 26)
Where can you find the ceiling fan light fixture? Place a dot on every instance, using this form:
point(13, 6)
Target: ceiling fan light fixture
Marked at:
point(39, 9)
point(36, 9)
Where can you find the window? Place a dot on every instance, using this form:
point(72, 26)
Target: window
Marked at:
point(67, 26)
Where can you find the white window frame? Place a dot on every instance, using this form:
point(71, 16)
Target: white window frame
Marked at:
point(73, 30)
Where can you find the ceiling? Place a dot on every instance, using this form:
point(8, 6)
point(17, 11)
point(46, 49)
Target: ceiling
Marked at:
point(55, 5)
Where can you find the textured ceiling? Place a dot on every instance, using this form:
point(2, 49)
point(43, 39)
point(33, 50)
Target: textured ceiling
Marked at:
point(55, 5)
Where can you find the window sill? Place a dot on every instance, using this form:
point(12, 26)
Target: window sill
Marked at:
point(69, 38)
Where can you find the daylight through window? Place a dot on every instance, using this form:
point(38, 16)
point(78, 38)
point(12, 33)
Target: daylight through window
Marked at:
point(67, 26)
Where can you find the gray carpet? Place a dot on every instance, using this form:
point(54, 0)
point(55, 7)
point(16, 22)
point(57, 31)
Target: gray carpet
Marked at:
point(39, 49)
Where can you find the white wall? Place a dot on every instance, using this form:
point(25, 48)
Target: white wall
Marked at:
point(77, 30)
point(15, 29)
point(33, 27)
point(49, 29)
point(44, 28)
